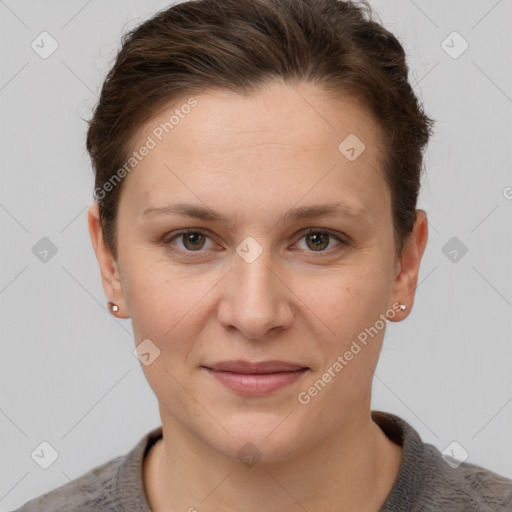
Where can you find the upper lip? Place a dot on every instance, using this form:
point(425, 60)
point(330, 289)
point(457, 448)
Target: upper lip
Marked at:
point(240, 366)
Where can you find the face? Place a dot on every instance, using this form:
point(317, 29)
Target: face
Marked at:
point(263, 274)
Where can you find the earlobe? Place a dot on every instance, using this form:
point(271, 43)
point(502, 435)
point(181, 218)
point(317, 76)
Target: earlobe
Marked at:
point(109, 268)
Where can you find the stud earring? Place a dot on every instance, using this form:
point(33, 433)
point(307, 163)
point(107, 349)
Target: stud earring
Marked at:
point(392, 312)
point(113, 307)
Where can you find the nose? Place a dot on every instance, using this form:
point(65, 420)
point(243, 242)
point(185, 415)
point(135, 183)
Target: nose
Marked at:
point(255, 298)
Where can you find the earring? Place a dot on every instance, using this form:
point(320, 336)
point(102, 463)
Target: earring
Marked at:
point(401, 307)
point(113, 307)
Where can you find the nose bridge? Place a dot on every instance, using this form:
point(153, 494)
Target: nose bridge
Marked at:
point(255, 278)
point(256, 301)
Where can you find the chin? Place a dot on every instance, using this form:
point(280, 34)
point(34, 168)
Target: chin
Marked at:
point(258, 437)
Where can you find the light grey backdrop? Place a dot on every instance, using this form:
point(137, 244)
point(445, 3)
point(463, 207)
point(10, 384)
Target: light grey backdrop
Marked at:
point(68, 375)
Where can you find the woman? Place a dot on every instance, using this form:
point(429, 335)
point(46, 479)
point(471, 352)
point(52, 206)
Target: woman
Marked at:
point(257, 170)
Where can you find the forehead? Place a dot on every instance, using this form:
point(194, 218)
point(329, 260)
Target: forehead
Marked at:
point(300, 114)
point(285, 138)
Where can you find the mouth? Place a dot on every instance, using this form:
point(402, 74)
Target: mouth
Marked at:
point(256, 378)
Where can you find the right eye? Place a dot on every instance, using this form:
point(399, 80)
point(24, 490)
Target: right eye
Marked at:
point(193, 240)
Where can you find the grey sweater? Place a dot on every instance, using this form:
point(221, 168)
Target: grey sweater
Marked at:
point(425, 483)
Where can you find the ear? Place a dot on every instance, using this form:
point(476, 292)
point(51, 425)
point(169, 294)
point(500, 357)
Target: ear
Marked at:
point(409, 265)
point(109, 269)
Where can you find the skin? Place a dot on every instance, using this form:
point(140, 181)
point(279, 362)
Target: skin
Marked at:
point(253, 159)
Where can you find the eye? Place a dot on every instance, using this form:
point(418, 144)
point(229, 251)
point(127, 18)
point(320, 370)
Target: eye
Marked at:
point(317, 240)
point(193, 240)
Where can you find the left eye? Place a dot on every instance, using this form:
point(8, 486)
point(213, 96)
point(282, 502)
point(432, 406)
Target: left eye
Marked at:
point(319, 239)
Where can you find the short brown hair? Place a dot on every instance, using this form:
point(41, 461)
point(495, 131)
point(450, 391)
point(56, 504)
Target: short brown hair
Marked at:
point(238, 45)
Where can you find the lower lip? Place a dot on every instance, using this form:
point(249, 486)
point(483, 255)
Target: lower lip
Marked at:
point(256, 384)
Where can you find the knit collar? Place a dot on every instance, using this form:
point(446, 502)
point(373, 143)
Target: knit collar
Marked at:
point(409, 481)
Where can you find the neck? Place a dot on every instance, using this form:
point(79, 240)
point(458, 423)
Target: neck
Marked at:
point(353, 470)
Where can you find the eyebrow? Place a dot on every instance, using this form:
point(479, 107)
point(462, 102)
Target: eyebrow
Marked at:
point(338, 209)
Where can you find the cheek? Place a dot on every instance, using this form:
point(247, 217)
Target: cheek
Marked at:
point(351, 307)
point(346, 302)
point(348, 364)
point(161, 296)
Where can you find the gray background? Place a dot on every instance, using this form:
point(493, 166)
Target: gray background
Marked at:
point(68, 375)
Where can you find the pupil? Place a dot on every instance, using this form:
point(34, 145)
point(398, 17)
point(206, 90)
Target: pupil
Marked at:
point(191, 237)
point(317, 239)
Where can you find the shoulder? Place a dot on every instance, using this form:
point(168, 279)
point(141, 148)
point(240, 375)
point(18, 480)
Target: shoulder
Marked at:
point(114, 486)
point(468, 485)
point(92, 490)
point(429, 481)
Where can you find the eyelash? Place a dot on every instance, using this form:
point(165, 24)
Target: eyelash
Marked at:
point(167, 242)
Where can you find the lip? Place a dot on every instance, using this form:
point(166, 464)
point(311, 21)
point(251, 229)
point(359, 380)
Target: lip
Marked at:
point(240, 366)
point(256, 378)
